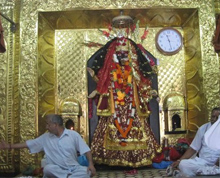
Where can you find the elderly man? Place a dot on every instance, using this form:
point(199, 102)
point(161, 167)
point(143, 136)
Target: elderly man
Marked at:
point(60, 146)
point(208, 156)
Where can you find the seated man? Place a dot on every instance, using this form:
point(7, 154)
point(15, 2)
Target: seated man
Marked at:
point(208, 157)
point(60, 146)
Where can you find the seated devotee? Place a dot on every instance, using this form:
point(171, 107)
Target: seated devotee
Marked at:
point(60, 146)
point(70, 124)
point(206, 146)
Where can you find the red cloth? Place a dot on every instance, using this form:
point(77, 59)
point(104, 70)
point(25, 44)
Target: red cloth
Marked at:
point(104, 103)
point(158, 158)
point(104, 72)
point(174, 154)
point(2, 43)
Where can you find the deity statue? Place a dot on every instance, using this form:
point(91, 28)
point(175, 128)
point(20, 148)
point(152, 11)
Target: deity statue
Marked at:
point(121, 70)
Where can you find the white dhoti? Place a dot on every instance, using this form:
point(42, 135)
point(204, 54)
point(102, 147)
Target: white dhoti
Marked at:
point(209, 170)
point(208, 154)
point(54, 171)
point(190, 167)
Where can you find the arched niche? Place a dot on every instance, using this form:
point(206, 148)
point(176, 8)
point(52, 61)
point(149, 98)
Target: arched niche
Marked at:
point(175, 113)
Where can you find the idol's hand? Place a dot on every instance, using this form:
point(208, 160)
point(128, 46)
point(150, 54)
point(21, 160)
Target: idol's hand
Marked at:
point(158, 99)
point(91, 72)
point(93, 94)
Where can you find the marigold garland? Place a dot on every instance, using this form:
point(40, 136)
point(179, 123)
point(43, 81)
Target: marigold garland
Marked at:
point(122, 88)
point(122, 81)
point(122, 132)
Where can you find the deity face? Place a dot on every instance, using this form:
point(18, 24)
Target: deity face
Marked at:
point(122, 61)
point(122, 56)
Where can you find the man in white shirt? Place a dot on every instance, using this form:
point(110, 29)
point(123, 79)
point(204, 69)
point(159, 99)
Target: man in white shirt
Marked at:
point(60, 146)
point(208, 157)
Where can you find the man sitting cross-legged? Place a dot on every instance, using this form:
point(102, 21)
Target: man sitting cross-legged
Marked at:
point(202, 144)
point(60, 146)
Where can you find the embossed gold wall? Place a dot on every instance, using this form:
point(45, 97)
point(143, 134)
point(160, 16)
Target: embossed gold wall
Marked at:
point(71, 59)
point(46, 72)
point(34, 81)
point(9, 92)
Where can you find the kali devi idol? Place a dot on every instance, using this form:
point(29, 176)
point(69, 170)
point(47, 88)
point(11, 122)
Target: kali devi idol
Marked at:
point(121, 72)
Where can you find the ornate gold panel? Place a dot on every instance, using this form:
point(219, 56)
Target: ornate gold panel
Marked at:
point(46, 72)
point(9, 95)
point(71, 58)
point(45, 61)
point(87, 19)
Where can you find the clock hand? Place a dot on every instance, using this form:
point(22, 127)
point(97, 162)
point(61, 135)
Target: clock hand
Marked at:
point(169, 41)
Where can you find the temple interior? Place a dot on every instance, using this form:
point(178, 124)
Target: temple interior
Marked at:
point(43, 70)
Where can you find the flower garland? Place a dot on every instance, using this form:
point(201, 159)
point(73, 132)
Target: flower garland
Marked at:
point(122, 90)
point(122, 81)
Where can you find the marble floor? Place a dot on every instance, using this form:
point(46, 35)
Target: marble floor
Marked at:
point(124, 172)
point(144, 172)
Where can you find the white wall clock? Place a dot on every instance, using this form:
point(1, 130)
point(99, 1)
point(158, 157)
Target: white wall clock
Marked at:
point(169, 41)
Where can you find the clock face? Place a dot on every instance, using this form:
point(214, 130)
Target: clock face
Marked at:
point(169, 41)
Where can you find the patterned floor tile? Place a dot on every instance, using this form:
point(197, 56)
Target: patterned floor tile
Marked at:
point(141, 173)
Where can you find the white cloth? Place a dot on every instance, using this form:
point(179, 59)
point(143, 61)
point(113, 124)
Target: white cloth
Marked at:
point(60, 151)
point(212, 136)
point(197, 141)
point(208, 170)
point(200, 146)
point(207, 156)
point(52, 171)
point(189, 167)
